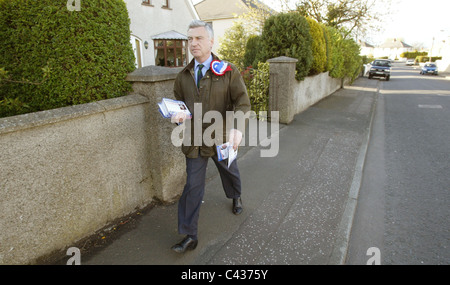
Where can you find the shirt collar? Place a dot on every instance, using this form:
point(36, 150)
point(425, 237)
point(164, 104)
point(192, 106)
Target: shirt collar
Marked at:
point(206, 64)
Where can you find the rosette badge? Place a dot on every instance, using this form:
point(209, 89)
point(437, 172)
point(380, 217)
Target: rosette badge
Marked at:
point(219, 67)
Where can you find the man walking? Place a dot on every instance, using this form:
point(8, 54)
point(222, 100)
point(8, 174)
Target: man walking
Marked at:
point(217, 86)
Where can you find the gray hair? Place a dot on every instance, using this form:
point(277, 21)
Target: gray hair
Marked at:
point(198, 24)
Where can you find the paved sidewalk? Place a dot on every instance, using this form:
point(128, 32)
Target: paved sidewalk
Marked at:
point(298, 206)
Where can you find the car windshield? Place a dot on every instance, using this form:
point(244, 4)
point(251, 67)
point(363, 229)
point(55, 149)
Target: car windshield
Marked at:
point(381, 63)
point(430, 65)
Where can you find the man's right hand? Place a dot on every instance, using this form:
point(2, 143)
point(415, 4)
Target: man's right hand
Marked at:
point(178, 118)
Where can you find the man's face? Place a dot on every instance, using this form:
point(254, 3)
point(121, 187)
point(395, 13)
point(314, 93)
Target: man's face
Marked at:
point(200, 44)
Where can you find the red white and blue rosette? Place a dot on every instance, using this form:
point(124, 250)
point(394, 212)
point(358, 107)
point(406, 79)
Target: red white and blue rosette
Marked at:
point(220, 67)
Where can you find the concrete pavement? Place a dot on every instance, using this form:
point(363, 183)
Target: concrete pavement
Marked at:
point(298, 206)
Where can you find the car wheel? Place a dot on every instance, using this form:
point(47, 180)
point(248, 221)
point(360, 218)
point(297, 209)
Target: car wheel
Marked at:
point(370, 76)
point(387, 78)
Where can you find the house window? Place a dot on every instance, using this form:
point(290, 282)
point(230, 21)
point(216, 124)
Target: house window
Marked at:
point(147, 2)
point(166, 4)
point(170, 53)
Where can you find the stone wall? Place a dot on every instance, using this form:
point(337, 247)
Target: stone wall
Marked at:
point(289, 96)
point(68, 172)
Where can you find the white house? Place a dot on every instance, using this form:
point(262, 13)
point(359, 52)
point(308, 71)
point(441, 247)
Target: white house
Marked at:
point(366, 48)
point(221, 14)
point(443, 49)
point(158, 31)
point(392, 48)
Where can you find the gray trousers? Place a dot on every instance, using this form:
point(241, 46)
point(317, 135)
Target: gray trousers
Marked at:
point(192, 197)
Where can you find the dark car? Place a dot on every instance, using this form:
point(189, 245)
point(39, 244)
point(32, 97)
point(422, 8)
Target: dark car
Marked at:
point(429, 68)
point(380, 68)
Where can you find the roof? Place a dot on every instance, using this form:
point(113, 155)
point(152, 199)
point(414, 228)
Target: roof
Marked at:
point(394, 43)
point(171, 35)
point(364, 44)
point(220, 9)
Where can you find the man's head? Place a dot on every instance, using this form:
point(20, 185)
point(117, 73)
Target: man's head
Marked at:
point(200, 40)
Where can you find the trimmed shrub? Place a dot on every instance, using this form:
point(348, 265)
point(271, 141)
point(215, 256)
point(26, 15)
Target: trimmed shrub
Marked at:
point(287, 34)
point(257, 83)
point(251, 51)
point(53, 57)
point(336, 61)
point(413, 54)
point(232, 47)
point(352, 59)
point(423, 59)
point(318, 47)
point(329, 47)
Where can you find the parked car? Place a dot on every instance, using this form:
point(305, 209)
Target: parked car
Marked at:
point(380, 68)
point(410, 62)
point(429, 68)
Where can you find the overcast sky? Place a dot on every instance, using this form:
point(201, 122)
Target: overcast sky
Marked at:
point(415, 21)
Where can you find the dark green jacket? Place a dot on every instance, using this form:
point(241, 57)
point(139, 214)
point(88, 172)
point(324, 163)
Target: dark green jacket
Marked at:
point(220, 93)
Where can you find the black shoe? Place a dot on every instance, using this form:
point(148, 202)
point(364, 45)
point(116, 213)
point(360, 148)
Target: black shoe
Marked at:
point(237, 206)
point(185, 244)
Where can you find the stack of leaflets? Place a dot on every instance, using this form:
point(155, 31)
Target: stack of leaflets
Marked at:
point(169, 107)
point(225, 151)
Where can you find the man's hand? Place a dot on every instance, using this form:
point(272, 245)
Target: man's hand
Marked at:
point(178, 118)
point(235, 138)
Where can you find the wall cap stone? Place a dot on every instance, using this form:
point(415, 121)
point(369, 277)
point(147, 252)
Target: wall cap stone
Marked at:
point(30, 120)
point(153, 73)
point(282, 59)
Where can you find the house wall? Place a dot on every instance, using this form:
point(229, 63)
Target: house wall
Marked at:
point(220, 27)
point(147, 21)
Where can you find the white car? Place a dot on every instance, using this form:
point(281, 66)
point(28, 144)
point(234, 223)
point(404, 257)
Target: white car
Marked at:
point(410, 62)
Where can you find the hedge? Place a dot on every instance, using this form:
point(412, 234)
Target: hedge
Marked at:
point(336, 61)
point(51, 57)
point(413, 54)
point(251, 51)
point(427, 58)
point(318, 48)
point(287, 34)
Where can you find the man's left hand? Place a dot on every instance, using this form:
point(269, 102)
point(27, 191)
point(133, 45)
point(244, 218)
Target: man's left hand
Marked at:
point(235, 138)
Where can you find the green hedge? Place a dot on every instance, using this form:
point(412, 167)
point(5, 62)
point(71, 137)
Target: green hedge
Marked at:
point(413, 54)
point(251, 51)
point(329, 47)
point(318, 47)
point(336, 61)
point(352, 59)
point(427, 58)
point(287, 34)
point(51, 57)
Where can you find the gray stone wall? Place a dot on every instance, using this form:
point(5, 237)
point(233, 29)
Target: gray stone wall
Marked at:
point(68, 172)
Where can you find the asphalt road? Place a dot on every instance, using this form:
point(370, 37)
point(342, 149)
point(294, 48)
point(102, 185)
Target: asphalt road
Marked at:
point(403, 205)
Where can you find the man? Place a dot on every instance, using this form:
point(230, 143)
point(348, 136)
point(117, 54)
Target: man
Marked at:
point(215, 91)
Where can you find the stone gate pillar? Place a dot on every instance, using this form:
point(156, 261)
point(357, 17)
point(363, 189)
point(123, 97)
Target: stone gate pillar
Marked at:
point(281, 92)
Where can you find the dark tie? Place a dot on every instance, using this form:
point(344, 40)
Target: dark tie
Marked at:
point(199, 74)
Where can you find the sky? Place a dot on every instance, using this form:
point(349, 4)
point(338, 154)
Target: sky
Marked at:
point(414, 21)
point(418, 21)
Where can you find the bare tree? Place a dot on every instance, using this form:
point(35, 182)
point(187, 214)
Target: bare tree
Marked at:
point(357, 17)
